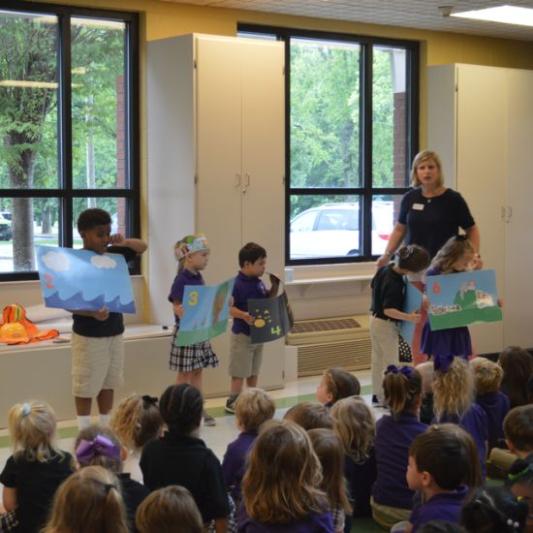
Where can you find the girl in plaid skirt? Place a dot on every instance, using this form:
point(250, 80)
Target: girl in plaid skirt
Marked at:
point(192, 253)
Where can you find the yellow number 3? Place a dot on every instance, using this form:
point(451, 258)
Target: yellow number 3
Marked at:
point(193, 298)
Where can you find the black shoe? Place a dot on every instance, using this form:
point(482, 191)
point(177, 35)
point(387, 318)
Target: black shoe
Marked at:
point(230, 404)
point(376, 402)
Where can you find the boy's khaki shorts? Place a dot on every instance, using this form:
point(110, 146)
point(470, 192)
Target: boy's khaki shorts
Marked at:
point(97, 363)
point(245, 357)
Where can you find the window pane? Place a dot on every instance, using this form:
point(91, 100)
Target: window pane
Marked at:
point(25, 223)
point(389, 125)
point(116, 207)
point(324, 226)
point(324, 115)
point(28, 101)
point(98, 104)
point(385, 210)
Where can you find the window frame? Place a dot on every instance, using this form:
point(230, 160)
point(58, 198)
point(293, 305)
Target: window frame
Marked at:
point(366, 191)
point(66, 193)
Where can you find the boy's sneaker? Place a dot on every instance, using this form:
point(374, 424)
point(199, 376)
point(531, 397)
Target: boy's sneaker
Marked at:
point(208, 419)
point(376, 402)
point(230, 404)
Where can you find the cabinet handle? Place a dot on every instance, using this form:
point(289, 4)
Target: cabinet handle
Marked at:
point(503, 212)
point(237, 180)
point(246, 182)
point(509, 213)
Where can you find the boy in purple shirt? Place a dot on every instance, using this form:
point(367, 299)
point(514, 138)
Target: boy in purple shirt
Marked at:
point(442, 465)
point(245, 357)
point(253, 407)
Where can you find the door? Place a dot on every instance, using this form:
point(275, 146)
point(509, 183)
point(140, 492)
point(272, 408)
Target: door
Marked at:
point(481, 174)
point(219, 137)
point(518, 244)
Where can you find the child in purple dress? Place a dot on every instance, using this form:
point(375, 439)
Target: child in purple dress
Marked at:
point(453, 394)
point(252, 408)
point(281, 487)
point(487, 379)
point(457, 255)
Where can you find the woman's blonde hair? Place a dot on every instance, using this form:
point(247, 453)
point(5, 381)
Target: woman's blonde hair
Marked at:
point(253, 408)
point(283, 476)
point(487, 375)
point(88, 501)
point(136, 421)
point(453, 249)
point(167, 510)
point(453, 390)
point(32, 426)
point(354, 423)
point(330, 452)
point(422, 157)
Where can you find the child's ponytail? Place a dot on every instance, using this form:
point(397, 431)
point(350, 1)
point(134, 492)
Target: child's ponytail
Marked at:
point(402, 387)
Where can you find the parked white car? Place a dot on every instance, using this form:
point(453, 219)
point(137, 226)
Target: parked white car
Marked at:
point(332, 230)
point(6, 233)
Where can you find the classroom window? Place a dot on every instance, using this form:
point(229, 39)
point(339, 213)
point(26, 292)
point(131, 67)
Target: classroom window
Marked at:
point(68, 126)
point(351, 132)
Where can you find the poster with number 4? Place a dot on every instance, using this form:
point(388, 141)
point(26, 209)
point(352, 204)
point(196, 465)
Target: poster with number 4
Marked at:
point(206, 312)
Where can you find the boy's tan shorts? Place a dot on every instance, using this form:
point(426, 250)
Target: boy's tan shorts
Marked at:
point(97, 363)
point(245, 357)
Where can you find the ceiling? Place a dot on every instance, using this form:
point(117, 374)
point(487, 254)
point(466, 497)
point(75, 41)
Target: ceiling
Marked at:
point(422, 14)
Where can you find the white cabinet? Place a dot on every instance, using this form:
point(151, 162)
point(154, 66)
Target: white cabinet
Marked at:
point(216, 159)
point(480, 121)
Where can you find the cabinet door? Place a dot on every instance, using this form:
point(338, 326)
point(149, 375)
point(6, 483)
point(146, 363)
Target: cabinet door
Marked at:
point(481, 173)
point(219, 132)
point(263, 148)
point(518, 243)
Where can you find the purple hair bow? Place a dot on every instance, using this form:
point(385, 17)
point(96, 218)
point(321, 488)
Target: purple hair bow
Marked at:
point(406, 371)
point(88, 449)
point(443, 361)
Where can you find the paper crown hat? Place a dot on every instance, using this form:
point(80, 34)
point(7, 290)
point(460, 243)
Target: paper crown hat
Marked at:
point(189, 245)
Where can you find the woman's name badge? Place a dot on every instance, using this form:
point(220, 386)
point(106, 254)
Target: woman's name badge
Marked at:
point(418, 207)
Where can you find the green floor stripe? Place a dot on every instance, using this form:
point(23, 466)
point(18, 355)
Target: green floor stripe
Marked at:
point(281, 403)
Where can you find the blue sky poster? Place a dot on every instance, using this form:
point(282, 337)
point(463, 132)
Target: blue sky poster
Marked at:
point(206, 312)
point(413, 302)
point(84, 280)
point(462, 299)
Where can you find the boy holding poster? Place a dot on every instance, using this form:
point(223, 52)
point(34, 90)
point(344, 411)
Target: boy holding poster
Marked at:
point(97, 350)
point(245, 357)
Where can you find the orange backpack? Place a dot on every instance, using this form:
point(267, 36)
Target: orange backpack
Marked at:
point(15, 328)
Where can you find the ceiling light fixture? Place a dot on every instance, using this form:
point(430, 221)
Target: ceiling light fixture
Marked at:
point(507, 14)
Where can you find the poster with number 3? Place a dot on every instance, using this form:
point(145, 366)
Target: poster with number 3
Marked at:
point(206, 312)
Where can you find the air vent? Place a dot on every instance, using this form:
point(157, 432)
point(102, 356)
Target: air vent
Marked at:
point(330, 342)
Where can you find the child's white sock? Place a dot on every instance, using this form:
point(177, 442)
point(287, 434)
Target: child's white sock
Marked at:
point(84, 422)
point(104, 419)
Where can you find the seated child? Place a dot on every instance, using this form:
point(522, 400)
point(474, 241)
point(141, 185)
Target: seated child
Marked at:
point(440, 463)
point(453, 395)
point(354, 423)
point(337, 383)
point(136, 421)
point(392, 499)
point(520, 482)
point(180, 457)
point(330, 452)
point(518, 431)
point(281, 487)
point(427, 372)
point(87, 502)
point(99, 446)
point(310, 415)
point(252, 408)
point(165, 508)
point(494, 510)
point(517, 365)
point(487, 380)
point(37, 467)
